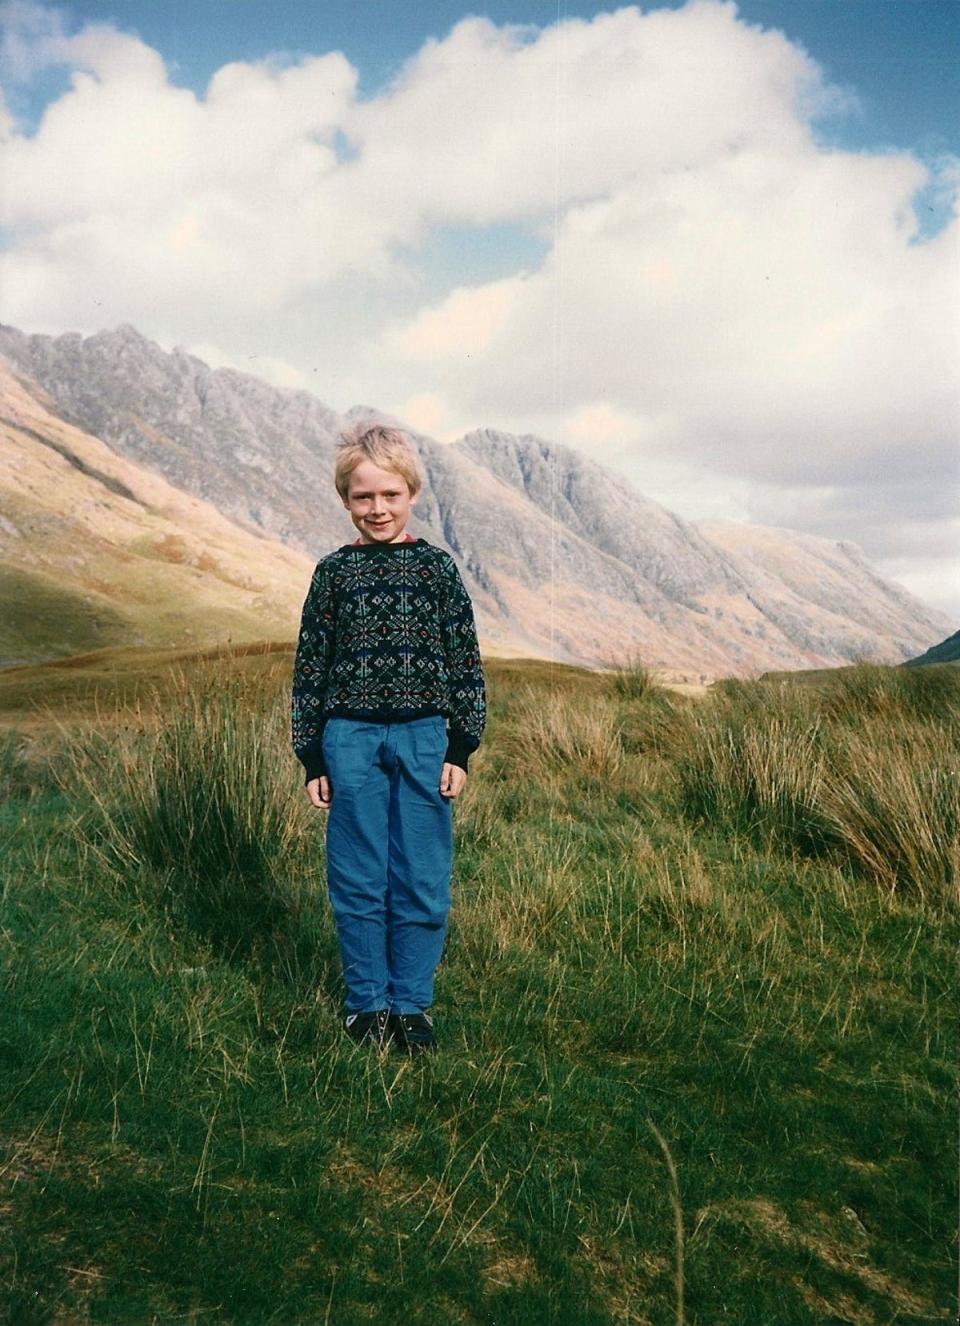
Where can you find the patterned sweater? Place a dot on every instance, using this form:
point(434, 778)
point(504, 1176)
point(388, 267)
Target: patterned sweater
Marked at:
point(387, 634)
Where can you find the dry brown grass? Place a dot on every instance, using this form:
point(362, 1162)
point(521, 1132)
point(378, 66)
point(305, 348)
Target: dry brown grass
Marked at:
point(562, 732)
point(869, 771)
point(892, 799)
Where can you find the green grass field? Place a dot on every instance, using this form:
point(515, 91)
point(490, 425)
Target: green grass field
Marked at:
point(696, 1009)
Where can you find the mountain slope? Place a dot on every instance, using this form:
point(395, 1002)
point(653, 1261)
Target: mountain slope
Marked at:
point(947, 651)
point(262, 454)
point(95, 551)
point(755, 594)
point(563, 558)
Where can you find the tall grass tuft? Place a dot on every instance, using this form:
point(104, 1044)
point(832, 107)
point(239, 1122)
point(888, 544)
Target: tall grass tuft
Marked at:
point(17, 779)
point(869, 690)
point(631, 679)
point(891, 798)
point(556, 732)
point(756, 773)
point(865, 767)
point(201, 800)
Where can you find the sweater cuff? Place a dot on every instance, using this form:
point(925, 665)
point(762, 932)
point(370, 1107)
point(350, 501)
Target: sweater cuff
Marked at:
point(459, 748)
point(314, 765)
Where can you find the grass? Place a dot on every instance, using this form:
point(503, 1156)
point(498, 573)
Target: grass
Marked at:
point(696, 1047)
point(196, 800)
point(39, 615)
point(866, 767)
point(632, 679)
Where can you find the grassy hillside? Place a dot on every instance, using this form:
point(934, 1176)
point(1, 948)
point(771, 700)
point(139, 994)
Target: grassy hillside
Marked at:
point(696, 1016)
point(103, 686)
point(42, 617)
point(947, 651)
point(99, 686)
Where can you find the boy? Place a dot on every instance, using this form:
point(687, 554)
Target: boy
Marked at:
point(387, 652)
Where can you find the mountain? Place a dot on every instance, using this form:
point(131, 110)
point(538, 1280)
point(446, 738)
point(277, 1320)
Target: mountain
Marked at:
point(826, 590)
point(947, 651)
point(97, 551)
point(562, 557)
point(261, 454)
point(747, 592)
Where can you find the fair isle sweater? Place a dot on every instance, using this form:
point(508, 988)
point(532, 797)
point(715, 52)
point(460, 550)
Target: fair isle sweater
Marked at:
point(387, 635)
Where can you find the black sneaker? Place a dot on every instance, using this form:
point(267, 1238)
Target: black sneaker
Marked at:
point(412, 1032)
point(367, 1026)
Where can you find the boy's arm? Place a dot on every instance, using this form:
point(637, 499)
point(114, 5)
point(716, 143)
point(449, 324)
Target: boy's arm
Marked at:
point(464, 670)
point(310, 668)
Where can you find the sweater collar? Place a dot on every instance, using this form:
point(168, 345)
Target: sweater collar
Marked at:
point(404, 542)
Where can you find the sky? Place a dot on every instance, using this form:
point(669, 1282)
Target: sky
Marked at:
point(713, 246)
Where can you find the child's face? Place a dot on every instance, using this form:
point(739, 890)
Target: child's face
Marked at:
point(379, 503)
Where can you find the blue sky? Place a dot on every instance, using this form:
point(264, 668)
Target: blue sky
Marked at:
point(714, 247)
point(900, 56)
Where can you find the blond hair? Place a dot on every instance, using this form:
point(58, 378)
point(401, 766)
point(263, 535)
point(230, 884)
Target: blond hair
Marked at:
point(385, 446)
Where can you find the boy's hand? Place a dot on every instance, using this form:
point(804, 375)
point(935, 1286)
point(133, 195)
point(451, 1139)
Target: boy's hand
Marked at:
point(452, 779)
point(320, 792)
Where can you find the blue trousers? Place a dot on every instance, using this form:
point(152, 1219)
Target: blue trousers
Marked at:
point(389, 858)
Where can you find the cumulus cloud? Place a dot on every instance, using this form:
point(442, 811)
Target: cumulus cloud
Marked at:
point(135, 188)
point(726, 309)
point(426, 412)
point(760, 303)
point(31, 38)
point(466, 323)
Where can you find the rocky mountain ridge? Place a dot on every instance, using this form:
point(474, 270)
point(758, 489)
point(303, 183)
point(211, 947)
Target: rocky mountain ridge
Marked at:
point(98, 552)
point(562, 557)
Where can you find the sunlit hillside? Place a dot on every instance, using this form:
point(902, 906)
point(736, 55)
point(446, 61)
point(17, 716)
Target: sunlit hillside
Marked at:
point(96, 551)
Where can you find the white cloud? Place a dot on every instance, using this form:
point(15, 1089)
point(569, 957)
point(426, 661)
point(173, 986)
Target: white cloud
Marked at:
point(466, 323)
point(427, 412)
point(776, 310)
point(31, 38)
point(725, 309)
point(496, 126)
point(598, 423)
point(137, 190)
